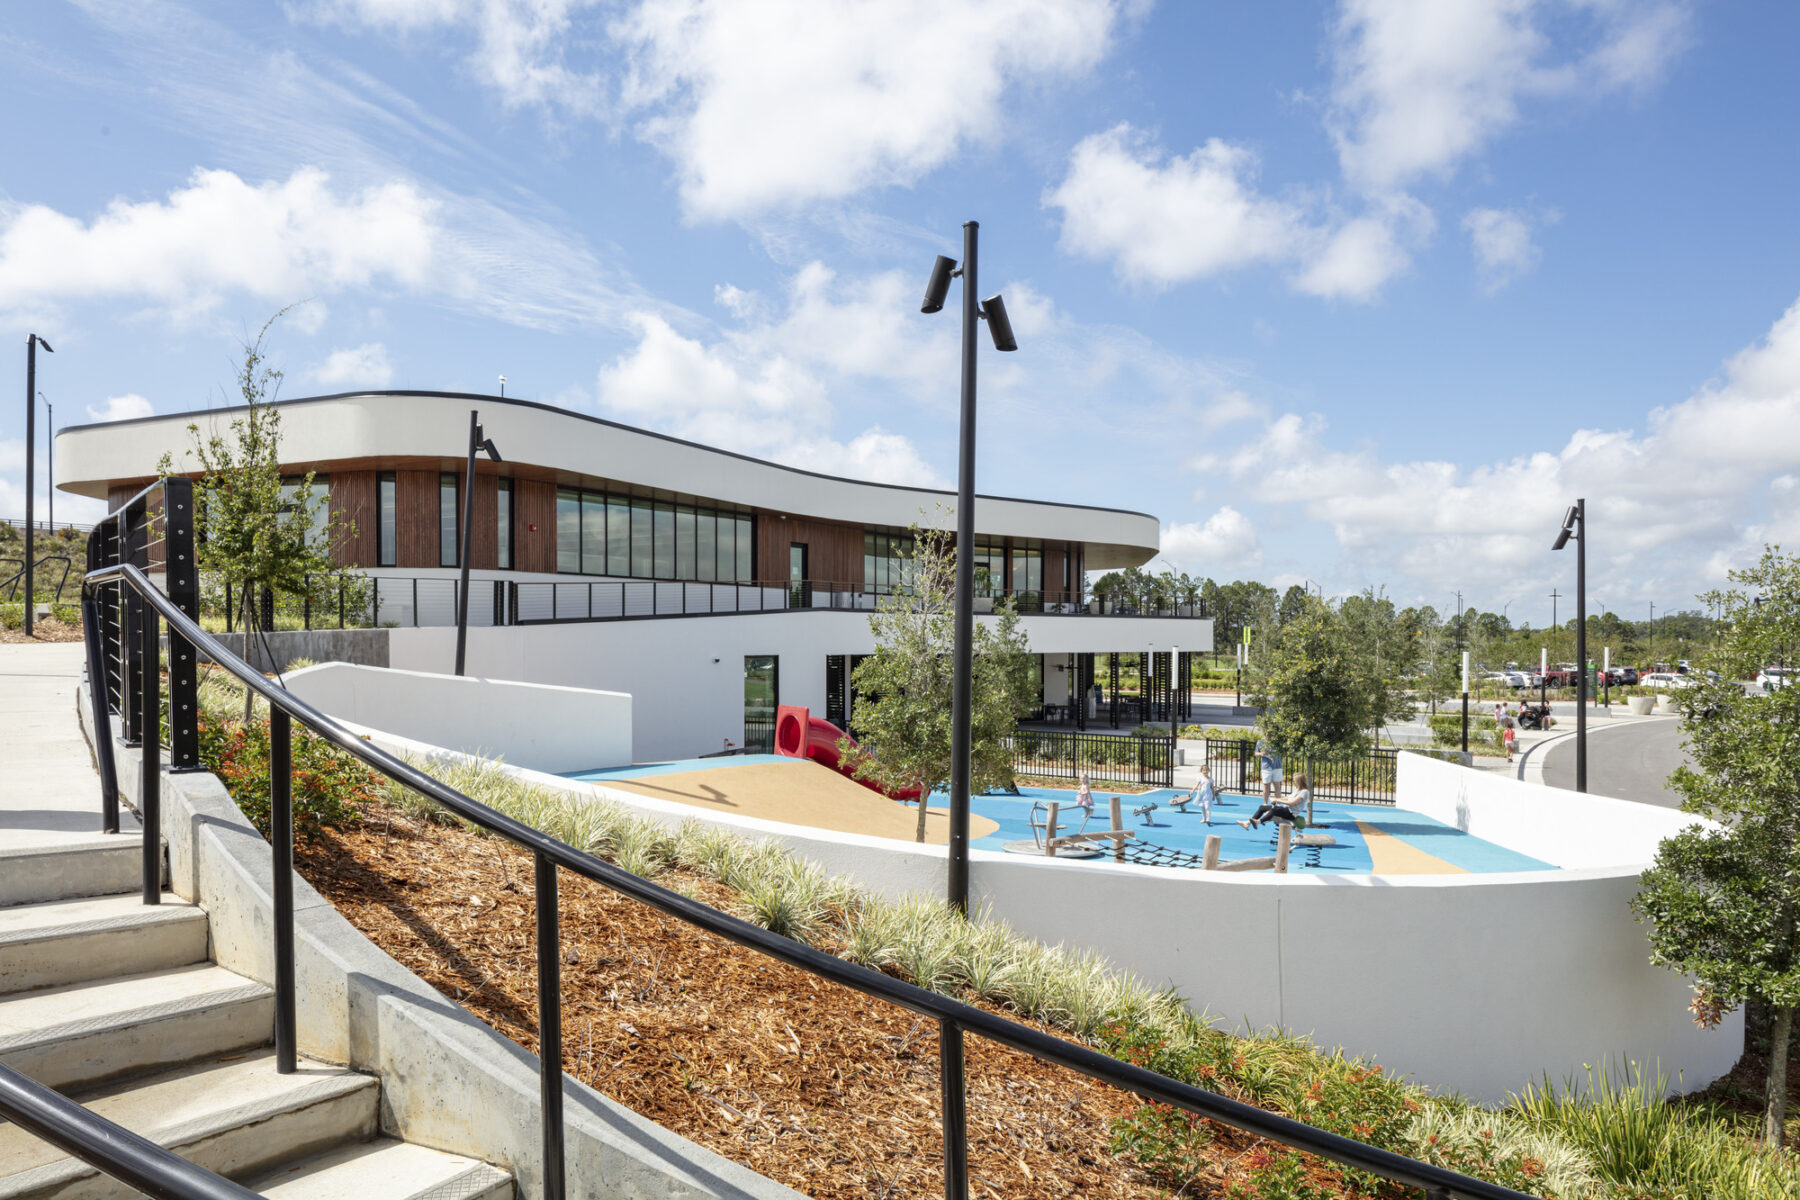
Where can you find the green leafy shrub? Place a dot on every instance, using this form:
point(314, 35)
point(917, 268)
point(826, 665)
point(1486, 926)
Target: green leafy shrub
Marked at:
point(329, 786)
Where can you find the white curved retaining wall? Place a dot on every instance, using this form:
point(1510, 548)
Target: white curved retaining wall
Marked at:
point(1479, 984)
point(537, 725)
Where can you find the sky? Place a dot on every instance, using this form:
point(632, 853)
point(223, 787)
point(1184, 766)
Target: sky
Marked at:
point(1357, 294)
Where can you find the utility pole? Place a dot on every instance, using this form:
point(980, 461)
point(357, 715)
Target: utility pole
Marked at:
point(1554, 597)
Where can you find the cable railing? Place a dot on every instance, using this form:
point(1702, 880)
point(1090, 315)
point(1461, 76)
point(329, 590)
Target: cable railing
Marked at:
point(11, 582)
point(122, 578)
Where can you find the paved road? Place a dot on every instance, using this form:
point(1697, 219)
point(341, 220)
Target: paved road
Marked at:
point(1630, 762)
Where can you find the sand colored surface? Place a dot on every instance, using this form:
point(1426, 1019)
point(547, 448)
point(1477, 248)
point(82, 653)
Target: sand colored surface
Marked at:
point(1395, 856)
point(799, 793)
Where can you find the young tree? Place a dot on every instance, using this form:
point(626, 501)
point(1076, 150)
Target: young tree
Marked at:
point(1305, 680)
point(1723, 902)
point(902, 716)
point(254, 531)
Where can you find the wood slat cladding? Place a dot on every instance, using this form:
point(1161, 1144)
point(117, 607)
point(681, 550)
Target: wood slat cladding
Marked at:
point(416, 518)
point(1054, 556)
point(354, 494)
point(484, 530)
point(534, 503)
point(834, 549)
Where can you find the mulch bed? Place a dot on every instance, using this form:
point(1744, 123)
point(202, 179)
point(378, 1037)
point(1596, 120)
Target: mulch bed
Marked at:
point(803, 1081)
point(47, 630)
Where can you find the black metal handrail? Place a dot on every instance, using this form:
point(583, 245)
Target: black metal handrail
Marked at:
point(11, 582)
point(954, 1017)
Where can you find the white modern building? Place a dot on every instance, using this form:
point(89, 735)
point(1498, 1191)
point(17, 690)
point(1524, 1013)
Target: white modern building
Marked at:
point(709, 585)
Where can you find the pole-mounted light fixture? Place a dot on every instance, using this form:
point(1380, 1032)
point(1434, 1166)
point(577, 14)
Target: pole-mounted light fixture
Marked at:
point(32, 342)
point(1574, 527)
point(478, 442)
point(993, 310)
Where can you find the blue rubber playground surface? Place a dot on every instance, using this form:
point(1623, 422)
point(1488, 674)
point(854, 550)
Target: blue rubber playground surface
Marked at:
point(1167, 826)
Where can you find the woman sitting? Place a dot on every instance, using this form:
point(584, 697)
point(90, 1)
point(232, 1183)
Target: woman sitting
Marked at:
point(1283, 809)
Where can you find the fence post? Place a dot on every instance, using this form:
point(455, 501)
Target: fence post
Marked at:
point(1142, 767)
point(955, 1110)
point(1118, 822)
point(1284, 842)
point(229, 618)
point(150, 784)
point(550, 1056)
point(1209, 857)
point(1050, 830)
point(97, 699)
point(181, 578)
point(415, 591)
point(1243, 766)
point(375, 601)
point(340, 601)
point(306, 603)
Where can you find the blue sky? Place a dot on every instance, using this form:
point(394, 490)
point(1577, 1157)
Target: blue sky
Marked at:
point(1361, 292)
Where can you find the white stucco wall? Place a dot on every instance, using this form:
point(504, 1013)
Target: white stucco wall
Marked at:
point(534, 725)
point(684, 703)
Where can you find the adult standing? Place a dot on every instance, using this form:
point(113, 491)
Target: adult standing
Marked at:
point(1271, 769)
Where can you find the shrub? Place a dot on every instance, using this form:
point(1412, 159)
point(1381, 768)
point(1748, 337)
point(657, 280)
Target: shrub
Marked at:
point(329, 786)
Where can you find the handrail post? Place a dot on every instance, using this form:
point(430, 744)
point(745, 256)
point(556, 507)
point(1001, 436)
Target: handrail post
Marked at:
point(181, 578)
point(281, 838)
point(150, 733)
point(103, 746)
point(550, 1057)
point(955, 1111)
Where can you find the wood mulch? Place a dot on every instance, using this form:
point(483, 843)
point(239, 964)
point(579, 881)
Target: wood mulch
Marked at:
point(47, 630)
point(806, 1082)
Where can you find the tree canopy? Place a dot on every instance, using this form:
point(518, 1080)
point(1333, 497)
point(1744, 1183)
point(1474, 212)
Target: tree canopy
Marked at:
point(1723, 899)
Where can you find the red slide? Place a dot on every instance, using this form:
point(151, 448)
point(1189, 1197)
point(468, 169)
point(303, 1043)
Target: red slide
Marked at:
point(799, 734)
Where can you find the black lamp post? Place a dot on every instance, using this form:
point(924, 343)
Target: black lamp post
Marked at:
point(1465, 700)
point(50, 448)
point(1575, 526)
point(32, 342)
point(993, 310)
point(476, 442)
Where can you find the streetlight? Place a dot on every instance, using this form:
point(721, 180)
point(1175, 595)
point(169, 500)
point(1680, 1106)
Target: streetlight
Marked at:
point(1575, 526)
point(476, 442)
point(1465, 683)
point(50, 445)
point(993, 310)
point(503, 387)
point(1174, 679)
point(32, 342)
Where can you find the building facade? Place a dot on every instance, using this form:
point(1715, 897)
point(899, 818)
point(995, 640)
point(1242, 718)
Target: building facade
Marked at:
point(594, 545)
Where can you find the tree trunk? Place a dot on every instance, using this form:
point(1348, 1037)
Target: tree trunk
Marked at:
point(249, 645)
point(1775, 1109)
point(924, 795)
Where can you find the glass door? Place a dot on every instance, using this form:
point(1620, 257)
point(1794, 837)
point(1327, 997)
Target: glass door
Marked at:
point(762, 692)
point(798, 589)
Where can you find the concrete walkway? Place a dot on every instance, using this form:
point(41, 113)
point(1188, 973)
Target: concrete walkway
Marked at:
point(49, 791)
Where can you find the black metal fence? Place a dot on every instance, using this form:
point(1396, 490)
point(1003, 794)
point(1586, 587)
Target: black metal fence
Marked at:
point(1103, 758)
point(1236, 767)
point(123, 613)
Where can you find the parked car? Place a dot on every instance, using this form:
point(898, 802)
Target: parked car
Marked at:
point(1622, 676)
point(1770, 678)
point(1666, 681)
point(1519, 679)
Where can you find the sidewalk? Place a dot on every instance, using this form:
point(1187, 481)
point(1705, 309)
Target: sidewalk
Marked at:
point(1528, 761)
point(49, 792)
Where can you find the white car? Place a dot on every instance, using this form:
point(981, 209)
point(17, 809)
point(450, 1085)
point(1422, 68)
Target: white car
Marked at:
point(1770, 678)
point(1666, 680)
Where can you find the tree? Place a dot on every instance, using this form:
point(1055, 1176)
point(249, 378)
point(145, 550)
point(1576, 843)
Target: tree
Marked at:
point(1307, 682)
point(255, 529)
point(1293, 602)
point(1723, 900)
point(902, 718)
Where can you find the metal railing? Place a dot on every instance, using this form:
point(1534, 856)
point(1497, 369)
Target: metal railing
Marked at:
point(11, 582)
point(1370, 779)
point(1102, 757)
point(121, 579)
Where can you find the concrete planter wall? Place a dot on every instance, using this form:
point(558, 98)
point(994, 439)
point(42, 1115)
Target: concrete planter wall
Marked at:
point(448, 1080)
point(1640, 706)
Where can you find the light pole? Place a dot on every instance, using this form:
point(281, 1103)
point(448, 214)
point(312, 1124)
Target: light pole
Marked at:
point(993, 309)
point(476, 442)
point(1465, 683)
point(1575, 526)
point(1178, 688)
point(32, 342)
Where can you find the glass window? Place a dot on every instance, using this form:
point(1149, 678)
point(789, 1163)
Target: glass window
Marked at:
point(384, 554)
point(706, 563)
point(684, 542)
point(447, 488)
point(568, 530)
point(665, 541)
point(643, 532)
point(618, 537)
point(593, 533)
point(887, 559)
point(727, 556)
point(295, 493)
point(745, 543)
point(503, 524)
point(1027, 566)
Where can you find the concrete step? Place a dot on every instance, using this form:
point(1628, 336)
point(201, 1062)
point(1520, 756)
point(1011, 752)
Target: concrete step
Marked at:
point(234, 1115)
point(386, 1170)
point(89, 1032)
point(59, 942)
point(68, 864)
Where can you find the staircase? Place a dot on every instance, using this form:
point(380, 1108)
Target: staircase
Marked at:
point(117, 1005)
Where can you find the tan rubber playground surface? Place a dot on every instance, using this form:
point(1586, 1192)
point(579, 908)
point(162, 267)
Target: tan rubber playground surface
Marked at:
point(799, 793)
point(1390, 855)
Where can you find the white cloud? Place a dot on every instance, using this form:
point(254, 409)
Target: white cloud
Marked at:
point(1165, 221)
point(364, 366)
point(121, 408)
point(519, 44)
point(1699, 485)
point(1224, 544)
point(1422, 84)
point(1501, 242)
point(1365, 252)
point(219, 234)
point(783, 102)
